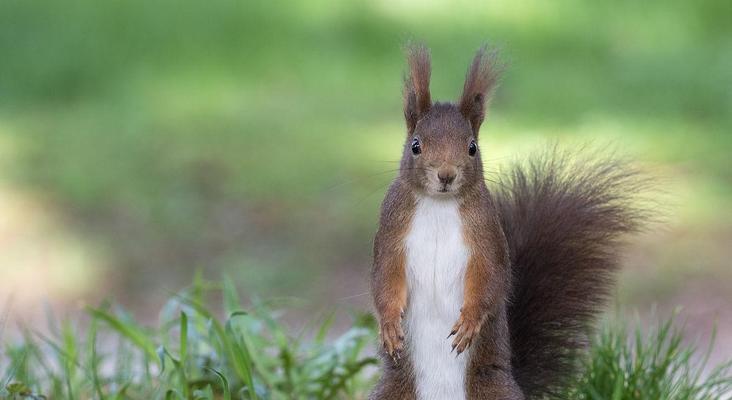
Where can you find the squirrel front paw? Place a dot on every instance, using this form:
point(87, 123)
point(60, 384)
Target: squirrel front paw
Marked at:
point(392, 337)
point(465, 331)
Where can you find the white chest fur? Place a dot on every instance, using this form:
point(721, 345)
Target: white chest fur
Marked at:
point(436, 260)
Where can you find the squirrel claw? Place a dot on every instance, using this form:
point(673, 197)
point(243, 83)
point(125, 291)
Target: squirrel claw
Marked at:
point(465, 330)
point(392, 338)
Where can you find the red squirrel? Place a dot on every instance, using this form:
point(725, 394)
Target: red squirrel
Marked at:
point(488, 293)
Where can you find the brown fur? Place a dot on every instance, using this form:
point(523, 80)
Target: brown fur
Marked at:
point(487, 274)
point(417, 100)
point(564, 217)
point(445, 134)
point(388, 277)
point(389, 273)
point(479, 83)
point(542, 248)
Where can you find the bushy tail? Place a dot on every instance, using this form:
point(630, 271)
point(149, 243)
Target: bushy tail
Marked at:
point(563, 218)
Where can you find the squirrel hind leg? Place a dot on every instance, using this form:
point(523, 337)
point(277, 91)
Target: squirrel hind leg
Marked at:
point(393, 388)
point(494, 383)
point(490, 374)
point(396, 382)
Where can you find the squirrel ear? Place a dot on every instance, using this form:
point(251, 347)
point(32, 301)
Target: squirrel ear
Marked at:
point(479, 84)
point(417, 85)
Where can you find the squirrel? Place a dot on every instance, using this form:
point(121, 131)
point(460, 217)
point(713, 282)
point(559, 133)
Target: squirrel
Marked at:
point(489, 293)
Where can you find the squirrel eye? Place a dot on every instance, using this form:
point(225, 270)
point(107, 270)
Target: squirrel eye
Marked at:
point(472, 148)
point(416, 147)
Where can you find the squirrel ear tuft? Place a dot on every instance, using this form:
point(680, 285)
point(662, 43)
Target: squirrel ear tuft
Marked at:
point(417, 85)
point(479, 84)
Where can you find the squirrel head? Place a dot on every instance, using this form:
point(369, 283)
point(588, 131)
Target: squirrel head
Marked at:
point(441, 154)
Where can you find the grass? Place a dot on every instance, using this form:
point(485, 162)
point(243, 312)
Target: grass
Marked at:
point(192, 354)
point(249, 354)
point(623, 364)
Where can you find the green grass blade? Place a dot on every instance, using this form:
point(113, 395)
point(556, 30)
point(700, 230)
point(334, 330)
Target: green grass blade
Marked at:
point(240, 358)
point(224, 383)
point(93, 359)
point(129, 331)
point(183, 338)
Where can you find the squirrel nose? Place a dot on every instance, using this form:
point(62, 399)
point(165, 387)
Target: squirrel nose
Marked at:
point(446, 175)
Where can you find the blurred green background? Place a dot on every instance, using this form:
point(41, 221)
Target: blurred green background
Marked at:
point(141, 141)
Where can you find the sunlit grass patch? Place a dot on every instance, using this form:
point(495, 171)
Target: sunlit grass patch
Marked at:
point(192, 354)
point(630, 364)
point(249, 353)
